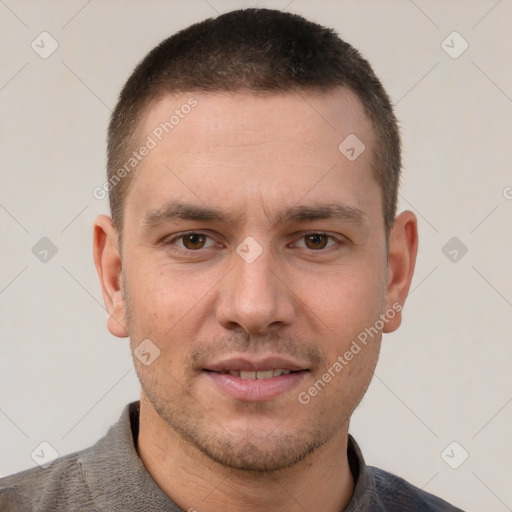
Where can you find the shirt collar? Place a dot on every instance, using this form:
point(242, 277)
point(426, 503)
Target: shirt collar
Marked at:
point(365, 496)
point(115, 475)
point(119, 482)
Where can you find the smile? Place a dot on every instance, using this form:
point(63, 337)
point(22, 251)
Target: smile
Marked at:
point(260, 374)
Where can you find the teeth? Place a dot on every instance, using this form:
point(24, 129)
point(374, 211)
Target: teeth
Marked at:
point(267, 374)
point(260, 375)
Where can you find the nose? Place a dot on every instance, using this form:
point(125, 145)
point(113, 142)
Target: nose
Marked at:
point(255, 297)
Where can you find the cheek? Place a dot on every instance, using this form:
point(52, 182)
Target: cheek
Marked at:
point(346, 302)
point(168, 302)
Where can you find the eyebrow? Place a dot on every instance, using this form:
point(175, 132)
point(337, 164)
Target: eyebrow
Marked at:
point(175, 210)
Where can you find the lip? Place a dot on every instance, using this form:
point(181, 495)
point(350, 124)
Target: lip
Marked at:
point(255, 390)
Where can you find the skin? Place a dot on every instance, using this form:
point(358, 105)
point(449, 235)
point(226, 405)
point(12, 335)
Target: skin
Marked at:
point(304, 299)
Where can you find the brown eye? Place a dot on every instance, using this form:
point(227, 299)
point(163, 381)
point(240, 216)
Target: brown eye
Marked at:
point(316, 241)
point(193, 241)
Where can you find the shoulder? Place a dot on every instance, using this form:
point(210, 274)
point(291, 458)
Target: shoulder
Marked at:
point(397, 494)
point(60, 486)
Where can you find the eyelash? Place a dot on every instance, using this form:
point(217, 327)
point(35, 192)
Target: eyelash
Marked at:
point(170, 241)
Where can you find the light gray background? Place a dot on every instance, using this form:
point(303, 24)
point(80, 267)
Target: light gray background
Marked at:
point(443, 377)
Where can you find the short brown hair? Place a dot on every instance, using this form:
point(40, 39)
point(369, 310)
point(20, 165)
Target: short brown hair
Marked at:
point(253, 50)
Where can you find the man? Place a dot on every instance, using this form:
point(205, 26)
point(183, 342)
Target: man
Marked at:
point(254, 258)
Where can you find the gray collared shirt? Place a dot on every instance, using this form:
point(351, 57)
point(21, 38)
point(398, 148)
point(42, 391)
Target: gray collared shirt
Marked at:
point(110, 477)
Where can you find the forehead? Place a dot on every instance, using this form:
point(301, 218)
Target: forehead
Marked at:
point(216, 146)
point(262, 115)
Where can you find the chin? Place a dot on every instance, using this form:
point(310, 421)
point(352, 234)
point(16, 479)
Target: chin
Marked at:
point(248, 453)
point(247, 440)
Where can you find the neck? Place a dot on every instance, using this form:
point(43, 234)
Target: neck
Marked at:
point(322, 481)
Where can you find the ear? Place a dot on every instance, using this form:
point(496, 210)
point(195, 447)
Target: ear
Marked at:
point(403, 247)
point(108, 265)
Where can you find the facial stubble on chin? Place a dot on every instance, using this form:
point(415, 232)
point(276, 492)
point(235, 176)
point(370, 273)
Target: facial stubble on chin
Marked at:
point(240, 449)
point(244, 448)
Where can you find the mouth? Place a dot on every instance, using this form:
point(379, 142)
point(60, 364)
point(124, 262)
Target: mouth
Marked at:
point(258, 374)
point(251, 379)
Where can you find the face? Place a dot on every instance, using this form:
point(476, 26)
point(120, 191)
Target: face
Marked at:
point(253, 258)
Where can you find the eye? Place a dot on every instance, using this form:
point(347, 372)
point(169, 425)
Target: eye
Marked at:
point(191, 241)
point(317, 241)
